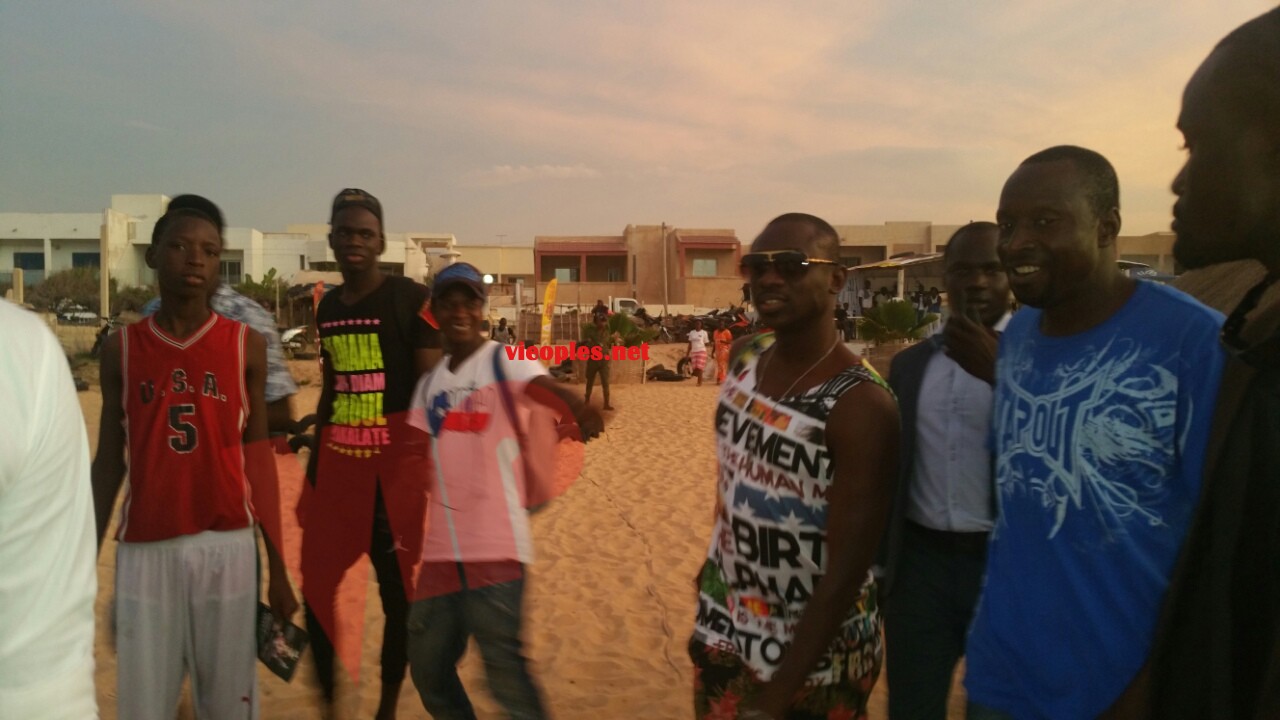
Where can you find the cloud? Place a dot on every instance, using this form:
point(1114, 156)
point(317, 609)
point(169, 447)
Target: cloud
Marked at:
point(502, 175)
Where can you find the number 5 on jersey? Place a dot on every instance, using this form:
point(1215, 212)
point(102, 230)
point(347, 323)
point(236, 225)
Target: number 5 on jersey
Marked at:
point(183, 439)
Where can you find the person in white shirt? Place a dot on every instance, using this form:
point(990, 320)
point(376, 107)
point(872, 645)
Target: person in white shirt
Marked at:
point(865, 298)
point(48, 549)
point(471, 413)
point(697, 350)
point(935, 547)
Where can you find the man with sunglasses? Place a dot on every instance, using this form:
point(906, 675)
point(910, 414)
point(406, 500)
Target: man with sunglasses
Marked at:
point(363, 494)
point(1104, 392)
point(807, 441)
point(936, 547)
point(1218, 651)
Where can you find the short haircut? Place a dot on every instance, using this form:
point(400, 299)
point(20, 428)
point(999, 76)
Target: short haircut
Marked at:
point(1253, 52)
point(187, 206)
point(971, 228)
point(828, 238)
point(1103, 187)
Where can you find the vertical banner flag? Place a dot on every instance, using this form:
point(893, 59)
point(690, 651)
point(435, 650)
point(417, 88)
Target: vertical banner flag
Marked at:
point(548, 307)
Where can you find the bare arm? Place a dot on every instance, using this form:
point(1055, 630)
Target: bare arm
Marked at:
point(108, 465)
point(424, 359)
point(260, 464)
point(280, 415)
point(547, 392)
point(862, 436)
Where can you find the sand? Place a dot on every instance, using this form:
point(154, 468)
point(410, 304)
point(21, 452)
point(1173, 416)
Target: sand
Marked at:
point(610, 601)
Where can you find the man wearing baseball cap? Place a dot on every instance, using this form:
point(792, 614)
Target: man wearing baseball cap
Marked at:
point(485, 469)
point(362, 495)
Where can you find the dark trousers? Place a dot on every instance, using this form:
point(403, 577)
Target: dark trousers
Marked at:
point(439, 628)
point(602, 369)
point(395, 606)
point(927, 616)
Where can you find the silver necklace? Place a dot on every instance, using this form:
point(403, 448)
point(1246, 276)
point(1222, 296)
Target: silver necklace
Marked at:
point(791, 387)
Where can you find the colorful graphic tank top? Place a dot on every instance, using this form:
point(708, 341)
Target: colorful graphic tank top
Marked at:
point(769, 543)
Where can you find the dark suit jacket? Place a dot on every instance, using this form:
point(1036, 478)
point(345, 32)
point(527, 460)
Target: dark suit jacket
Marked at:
point(906, 373)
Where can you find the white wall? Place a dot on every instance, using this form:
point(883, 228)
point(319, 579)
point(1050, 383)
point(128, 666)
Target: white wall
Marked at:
point(141, 207)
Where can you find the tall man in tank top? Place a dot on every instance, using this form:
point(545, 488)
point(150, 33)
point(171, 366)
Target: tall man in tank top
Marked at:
point(365, 494)
point(183, 408)
point(787, 624)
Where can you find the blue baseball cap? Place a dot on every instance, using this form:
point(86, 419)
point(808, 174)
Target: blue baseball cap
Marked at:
point(459, 274)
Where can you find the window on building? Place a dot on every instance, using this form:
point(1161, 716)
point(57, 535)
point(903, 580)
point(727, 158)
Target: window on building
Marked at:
point(615, 274)
point(32, 264)
point(565, 275)
point(302, 262)
point(231, 271)
point(29, 260)
point(85, 260)
point(704, 267)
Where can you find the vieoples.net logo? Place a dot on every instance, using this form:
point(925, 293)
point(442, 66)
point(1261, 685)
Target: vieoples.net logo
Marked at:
point(574, 351)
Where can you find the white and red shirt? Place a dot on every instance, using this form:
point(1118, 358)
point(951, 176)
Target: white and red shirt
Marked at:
point(477, 509)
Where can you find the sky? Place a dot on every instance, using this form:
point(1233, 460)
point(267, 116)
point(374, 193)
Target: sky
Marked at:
point(499, 121)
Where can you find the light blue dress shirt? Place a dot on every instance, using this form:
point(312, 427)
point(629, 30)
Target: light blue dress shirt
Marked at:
point(951, 473)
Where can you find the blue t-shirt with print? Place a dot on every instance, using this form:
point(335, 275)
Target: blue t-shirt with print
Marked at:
point(1100, 442)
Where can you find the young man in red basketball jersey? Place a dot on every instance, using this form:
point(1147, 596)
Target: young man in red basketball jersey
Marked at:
point(184, 411)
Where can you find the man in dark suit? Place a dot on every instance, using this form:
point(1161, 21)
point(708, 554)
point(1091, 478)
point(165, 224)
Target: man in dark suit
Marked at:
point(935, 547)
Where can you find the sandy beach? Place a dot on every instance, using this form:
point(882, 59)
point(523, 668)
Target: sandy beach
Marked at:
point(610, 600)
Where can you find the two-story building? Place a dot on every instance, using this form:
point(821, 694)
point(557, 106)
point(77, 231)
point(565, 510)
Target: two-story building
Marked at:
point(655, 264)
point(116, 238)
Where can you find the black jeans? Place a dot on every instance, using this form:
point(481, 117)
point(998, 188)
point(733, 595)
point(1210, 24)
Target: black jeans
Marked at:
point(395, 606)
point(439, 628)
point(927, 618)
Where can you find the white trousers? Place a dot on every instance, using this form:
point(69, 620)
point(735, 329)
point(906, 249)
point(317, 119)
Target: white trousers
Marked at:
point(188, 605)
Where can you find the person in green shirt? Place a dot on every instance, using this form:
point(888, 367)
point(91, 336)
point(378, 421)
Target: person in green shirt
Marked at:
point(598, 335)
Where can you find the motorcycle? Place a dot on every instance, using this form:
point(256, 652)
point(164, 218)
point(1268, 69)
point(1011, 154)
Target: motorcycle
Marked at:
point(295, 340)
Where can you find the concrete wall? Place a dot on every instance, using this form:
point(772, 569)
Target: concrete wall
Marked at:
point(584, 293)
point(1154, 249)
point(599, 268)
point(503, 262)
point(70, 226)
point(126, 261)
point(143, 208)
point(645, 243)
point(64, 250)
point(712, 292)
point(895, 237)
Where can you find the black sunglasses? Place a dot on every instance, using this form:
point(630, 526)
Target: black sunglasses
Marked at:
point(789, 264)
point(1266, 352)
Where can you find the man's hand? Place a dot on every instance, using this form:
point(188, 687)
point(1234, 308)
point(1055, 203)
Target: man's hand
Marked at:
point(280, 596)
point(972, 346)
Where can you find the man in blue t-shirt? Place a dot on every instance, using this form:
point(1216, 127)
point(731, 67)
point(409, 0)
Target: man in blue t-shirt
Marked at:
point(1105, 388)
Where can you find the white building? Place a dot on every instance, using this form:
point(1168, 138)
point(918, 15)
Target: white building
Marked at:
point(43, 243)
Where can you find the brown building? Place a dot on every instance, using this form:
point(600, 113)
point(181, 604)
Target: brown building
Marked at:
point(862, 244)
point(654, 264)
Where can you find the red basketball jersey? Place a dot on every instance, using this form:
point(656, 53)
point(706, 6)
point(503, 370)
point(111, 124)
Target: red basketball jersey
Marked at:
point(186, 407)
